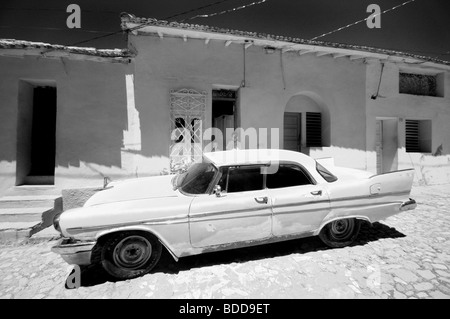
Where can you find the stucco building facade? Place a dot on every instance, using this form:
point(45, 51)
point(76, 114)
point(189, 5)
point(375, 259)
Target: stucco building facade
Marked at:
point(119, 113)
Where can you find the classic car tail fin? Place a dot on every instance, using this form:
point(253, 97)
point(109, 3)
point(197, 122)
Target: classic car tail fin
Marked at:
point(398, 182)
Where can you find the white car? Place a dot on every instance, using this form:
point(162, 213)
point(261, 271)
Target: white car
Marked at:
point(231, 199)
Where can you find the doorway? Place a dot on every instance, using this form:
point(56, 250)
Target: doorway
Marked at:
point(224, 115)
point(292, 131)
point(36, 138)
point(387, 145)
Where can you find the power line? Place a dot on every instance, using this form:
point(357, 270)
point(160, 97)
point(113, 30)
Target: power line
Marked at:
point(197, 9)
point(362, 20)
point(226, 11)
point(146, 23)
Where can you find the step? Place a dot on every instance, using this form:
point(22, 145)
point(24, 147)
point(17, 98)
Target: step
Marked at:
point(20, 201)
point(23, 214)
point(13, 231)
point(32, 190)
point(16, 231)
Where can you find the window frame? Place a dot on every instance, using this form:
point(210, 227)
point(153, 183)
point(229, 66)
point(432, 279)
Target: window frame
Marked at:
point(424, 128)
point(228, 168)
point(301, 167)
point(310, 138)
point(405, 76)
point(222, 170)
point(322, 170)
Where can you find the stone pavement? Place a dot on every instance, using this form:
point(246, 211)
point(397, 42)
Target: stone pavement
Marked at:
point(405, 256)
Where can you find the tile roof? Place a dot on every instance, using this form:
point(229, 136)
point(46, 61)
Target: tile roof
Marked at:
point(28, 45)
point(129, 18)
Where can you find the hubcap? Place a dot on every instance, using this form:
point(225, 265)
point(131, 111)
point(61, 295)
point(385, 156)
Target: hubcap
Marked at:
point(342, 229)
point(132, 252)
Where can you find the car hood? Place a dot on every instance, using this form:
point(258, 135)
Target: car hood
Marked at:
point(134, 189)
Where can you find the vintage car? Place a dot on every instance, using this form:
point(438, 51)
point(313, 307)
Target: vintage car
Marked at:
point(229, 200)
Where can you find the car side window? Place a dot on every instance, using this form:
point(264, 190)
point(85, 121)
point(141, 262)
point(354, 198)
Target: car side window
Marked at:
point(288, 176)
point(244, 179)
point(223, 179)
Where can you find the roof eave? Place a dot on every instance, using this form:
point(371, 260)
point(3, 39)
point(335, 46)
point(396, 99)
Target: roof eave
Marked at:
point(20, 49)
point(187, 31)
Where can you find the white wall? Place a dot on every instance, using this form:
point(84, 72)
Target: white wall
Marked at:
point(171, 63)
point(390, 104)
point(91, 117)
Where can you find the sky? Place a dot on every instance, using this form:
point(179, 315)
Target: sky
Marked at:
point(421, 27)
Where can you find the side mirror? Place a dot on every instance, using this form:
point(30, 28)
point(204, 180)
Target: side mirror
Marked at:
point(217, 190)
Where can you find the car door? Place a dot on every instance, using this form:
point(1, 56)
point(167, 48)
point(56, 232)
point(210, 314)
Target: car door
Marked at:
point(241, 213)
point(298, 204)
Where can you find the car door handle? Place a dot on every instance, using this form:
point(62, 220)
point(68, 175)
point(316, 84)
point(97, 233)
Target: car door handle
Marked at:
point(317, 193)
point(262, 200)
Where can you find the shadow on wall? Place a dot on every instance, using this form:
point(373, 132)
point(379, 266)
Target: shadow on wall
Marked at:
point(92, 131)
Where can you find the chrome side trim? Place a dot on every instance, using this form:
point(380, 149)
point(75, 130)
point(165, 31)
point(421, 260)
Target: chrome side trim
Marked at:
point(156, 221)
point(198, 220)
point(226, 212)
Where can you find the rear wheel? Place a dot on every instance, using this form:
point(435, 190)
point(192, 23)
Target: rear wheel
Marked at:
point(340, 233)
point(130, 254)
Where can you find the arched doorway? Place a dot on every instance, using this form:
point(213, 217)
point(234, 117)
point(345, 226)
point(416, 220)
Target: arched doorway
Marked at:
point(306, 123)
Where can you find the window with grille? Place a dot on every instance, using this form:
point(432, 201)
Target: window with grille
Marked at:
point(420, 84)
point(418, 136)
point(313, 129)
point(187, 115)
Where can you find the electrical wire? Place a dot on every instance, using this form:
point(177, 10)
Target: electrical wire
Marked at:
point(362, 20)
point(139, 26)
point(226, 11)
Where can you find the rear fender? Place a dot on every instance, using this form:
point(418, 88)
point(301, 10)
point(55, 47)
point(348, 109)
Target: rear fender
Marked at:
point(398, 182)
point(363, 218)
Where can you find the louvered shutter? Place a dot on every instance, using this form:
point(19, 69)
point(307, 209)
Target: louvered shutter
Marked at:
point(313, 129)
point(412, 136)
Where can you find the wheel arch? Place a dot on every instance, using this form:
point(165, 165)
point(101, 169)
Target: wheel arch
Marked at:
point(103, 235)
point(359, 217)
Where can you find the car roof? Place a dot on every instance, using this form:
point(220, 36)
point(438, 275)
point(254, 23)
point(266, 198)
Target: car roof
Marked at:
point(258, 156)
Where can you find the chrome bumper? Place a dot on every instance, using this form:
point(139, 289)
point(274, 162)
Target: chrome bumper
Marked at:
point(75, 252)
point(408, 205)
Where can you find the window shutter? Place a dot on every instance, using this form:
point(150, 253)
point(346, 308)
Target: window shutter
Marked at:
point(313, 129)
point(412, 136)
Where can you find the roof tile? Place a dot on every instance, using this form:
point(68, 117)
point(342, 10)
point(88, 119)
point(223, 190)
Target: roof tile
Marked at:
point(106, 53)
point(129, 18)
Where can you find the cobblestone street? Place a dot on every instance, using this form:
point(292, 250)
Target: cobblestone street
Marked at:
point(405, 256)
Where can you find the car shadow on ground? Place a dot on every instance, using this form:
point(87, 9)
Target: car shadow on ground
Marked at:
point(94, 274)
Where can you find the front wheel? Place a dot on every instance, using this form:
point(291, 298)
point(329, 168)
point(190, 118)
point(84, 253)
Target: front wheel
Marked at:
point(340, 233)
point(129, 255)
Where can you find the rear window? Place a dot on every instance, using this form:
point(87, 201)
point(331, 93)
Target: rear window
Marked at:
point(326, 174)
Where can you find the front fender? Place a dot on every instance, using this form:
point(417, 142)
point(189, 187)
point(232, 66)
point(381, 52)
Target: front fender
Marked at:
point(174, 238)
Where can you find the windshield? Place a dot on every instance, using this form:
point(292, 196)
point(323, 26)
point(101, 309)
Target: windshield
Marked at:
point(196, 179)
